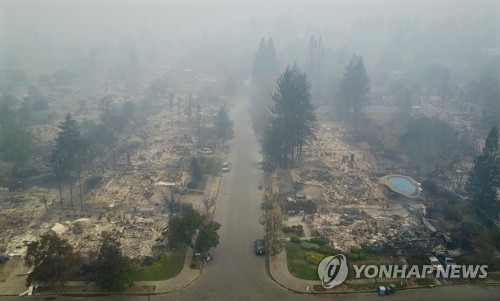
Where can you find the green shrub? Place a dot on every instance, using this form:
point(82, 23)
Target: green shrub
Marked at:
point(327, 250)
point(295, 239)
point(319, 241)
point(352, 256)
point(425, 281)
point(309, 246)
point(367, 249)
point(355, 250)
point(455, 213)
point(314, 258)
point(193, 265)
point(287, 229)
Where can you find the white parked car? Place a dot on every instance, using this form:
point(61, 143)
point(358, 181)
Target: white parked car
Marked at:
point(434, 262)
point(226, 167)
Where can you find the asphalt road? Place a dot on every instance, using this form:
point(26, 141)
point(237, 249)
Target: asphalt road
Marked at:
point(238, 274)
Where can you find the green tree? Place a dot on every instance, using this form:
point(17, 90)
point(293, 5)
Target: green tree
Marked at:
point(315, 61)
point(273, 142)
point(223, 126)
point(487, 94)
point(18, 144)
point(69, 146)
point(436, 80)
point(53, 260)
point(158, 88)
point(25, 113)
point(113, 124)
point(265, 70)
point(484, 177)
point(403, 97)
point(354, 87)
point(183, 227)
point(111, 269)
point(196, 171)
point(17, 140)
point(292, 119)
point(207, 237)
point(129, 109)
point(430, 141)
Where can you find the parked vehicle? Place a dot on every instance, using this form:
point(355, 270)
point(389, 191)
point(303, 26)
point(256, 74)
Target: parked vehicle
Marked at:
point(206, 150)
point(446, 260)
point(434, 262)
point(299, 197)
point(207, 258)
point(226, 167)
point(260, 247)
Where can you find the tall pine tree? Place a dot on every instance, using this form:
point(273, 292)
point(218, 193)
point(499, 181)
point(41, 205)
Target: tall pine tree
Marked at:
point(223, 126)
point(354, 87)
point(484, 178)
point(265, 70)
point(292, 120)
point(69, 145)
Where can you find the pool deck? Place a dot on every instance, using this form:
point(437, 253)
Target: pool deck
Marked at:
point(385, 181)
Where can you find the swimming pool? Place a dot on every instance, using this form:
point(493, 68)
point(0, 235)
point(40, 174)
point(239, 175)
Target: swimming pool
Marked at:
point(403, 185)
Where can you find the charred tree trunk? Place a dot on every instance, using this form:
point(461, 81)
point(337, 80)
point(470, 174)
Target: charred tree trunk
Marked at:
point(80, 189)
point(71, 192)
point(60, 191)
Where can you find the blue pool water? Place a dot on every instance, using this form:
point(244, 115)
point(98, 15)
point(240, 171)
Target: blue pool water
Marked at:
point(402, 185)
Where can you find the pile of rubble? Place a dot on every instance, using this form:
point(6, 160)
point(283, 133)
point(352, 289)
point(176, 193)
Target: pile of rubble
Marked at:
point(346, 231)
point(84, 234)
point(19, 210)
point(340, 169)
point(356, 207)
point(126, 200)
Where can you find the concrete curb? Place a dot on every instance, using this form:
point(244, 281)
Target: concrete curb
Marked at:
point(312, 292)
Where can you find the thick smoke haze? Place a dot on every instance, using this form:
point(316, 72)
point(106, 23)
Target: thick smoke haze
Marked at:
point(56, 29)
point(85, 20)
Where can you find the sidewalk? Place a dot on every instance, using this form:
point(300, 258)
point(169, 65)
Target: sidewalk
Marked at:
point(278, 268)
point(185, 278)
point(15, 283)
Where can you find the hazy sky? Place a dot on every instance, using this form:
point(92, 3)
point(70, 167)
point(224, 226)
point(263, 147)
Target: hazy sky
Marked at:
point(173, 23)
point(124, 15)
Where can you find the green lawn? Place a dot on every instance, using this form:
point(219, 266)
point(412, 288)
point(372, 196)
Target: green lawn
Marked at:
point(165, 267)
point(297, 264)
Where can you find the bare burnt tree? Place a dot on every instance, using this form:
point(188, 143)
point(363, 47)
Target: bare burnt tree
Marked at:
point(272, 221)
point(209, 202)
point(172, 200)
